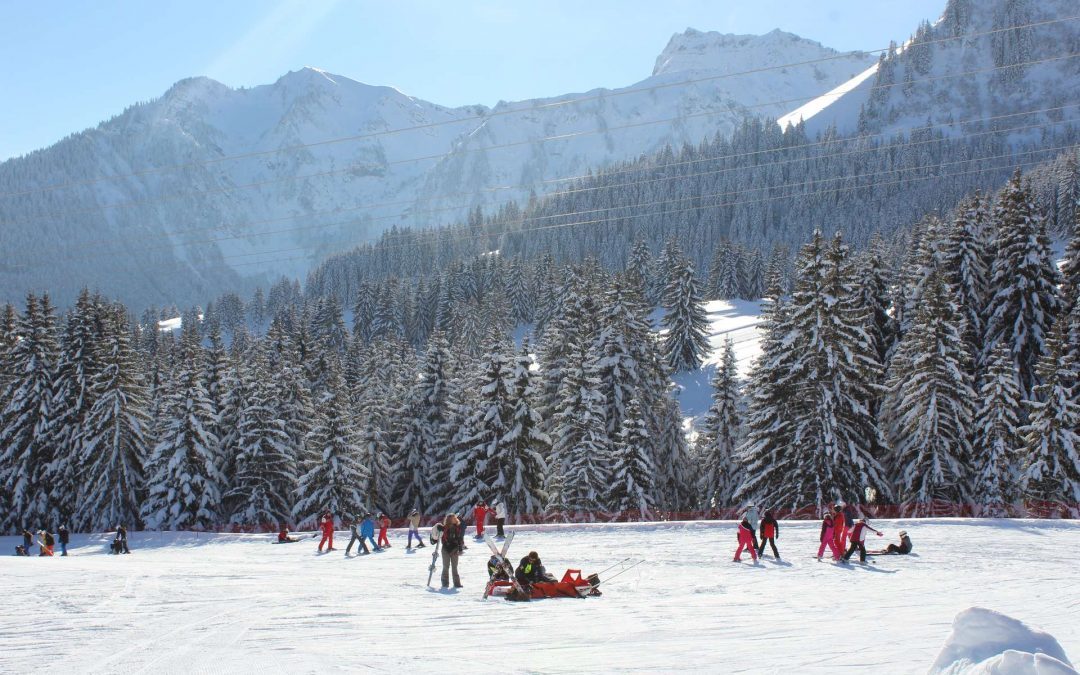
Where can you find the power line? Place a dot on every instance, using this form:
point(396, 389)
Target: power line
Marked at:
point(533, 219)
point(510, 111)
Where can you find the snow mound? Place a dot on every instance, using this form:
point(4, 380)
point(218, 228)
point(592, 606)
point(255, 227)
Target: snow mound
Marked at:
point(985, 642)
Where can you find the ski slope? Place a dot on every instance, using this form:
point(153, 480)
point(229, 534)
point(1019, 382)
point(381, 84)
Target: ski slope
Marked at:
point(235, 603)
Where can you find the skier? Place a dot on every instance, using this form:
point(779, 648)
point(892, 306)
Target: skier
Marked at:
point(354, 530)
point(120, 544)
point(414, 530)
point(452, 545)
point(858, 539)
point(770, 530)
point(893, 549)
point(746, 540)
point(384, 524)
point(46, 541)
point(327, 527)
point(827, 537)
point(500, 518)
point(27, 540)
point(839, 528)
point(753, 518)
point(283, 535)
point(849, 522)
point(367, 532)
point(65, 538)
point(480, 514)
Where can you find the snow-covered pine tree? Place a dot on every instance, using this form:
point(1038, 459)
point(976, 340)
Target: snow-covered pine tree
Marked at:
point(715, 451)
point(1052, 439)
point(73, 397)
point(333, 478)
point(686, 342)
point(835, 442)
point(632, 469)
point(623, 329)
point(1070, 267)
point(929, 406)
point(423, 440)
point(25, 422)
point(1023, 284)
point(996, 439)
point(184, 476)
point(265, 479)
point(876, 299)
point(115, 443)
point(522, 460)
point(964, 265)
point(674, 488)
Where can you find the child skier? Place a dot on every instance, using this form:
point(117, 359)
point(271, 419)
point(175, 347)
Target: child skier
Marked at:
point(367, 532)
point(327, 527)
point(384, 525)
point(46, 541)
point(746, 540)
point(858, 539)
point(27, 540)
point(753, 518)
point(354, 530)
point(480, 514)
point(770, 530)
point(283, 535)
point(839, 528)
point(827, 537)
point(65, 538)
point(414, 530)
point(893, 549)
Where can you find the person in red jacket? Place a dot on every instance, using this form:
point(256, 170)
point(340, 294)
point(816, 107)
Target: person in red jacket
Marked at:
point(384, 524)
point(480, 514)
point(858, 539)
point(746, 541)
point(327, 526)
point(770, 530)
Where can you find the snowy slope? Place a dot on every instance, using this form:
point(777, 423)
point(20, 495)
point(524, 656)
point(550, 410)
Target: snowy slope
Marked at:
point(966, 67)
point(735, 319)
point(235, 603)
point(181, 236)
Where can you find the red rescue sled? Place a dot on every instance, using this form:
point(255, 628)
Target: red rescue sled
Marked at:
point(572, 585)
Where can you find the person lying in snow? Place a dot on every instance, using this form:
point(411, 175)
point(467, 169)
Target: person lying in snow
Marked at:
point(893, 549)
point(283, 536)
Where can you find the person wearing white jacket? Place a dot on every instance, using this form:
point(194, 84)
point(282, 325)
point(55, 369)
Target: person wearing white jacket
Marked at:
point(500, 517)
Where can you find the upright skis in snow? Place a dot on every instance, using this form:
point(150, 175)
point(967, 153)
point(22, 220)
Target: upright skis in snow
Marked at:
point(500, 554)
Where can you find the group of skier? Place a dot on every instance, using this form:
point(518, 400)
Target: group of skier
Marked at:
point(842, 532)
point(47, 542)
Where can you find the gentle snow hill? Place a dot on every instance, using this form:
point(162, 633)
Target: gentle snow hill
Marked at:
point(984, 642)
point(183, 603)
point(183, 236)
point(735, 319)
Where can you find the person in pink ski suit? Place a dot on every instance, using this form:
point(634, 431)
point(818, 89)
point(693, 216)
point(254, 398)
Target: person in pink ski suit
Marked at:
point(839, 527)
point(746, 540)
point(827, 537)
point(327, 527)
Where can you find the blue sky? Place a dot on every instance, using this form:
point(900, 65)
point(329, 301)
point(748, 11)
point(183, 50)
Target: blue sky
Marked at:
point(71, 64)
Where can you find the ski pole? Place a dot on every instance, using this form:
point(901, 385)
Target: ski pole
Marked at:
point(604, 581)
point(613, 566)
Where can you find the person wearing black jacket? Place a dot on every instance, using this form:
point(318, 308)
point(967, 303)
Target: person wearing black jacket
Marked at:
point(28, 540)
point(528, 570)
point(452, 545)
point(120, 544)
point(65, 537)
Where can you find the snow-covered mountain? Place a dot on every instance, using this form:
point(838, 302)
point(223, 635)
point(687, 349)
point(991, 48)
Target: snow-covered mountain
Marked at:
point(1017, 61)
point(160, 235)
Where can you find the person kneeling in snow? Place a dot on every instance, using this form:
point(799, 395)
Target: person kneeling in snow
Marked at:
point(530, 570)
point(858, 540)
point(496, 569)
point(746, 541)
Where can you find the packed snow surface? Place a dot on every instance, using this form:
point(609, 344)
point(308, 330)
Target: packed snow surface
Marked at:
point(236, 603)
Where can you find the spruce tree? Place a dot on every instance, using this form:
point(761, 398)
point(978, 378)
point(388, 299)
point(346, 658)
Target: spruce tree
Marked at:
point(25, 454)
point(185, 468)
point(715, 451)
point(1023, 283)
point(686, 342)
point(632, 469)
point(333, 478)
point(522, 461)
point(929, 406)
point(1052, 439)
point(424, 428)
point(115, 444)
point(996, 439)
point(966, 273)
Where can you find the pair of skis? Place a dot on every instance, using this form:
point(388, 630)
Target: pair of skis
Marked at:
point(500, 555)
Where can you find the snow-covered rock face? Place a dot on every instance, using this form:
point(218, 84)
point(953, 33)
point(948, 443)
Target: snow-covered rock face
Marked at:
point(984, 642)
point(224, 221)
point(981, 59)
